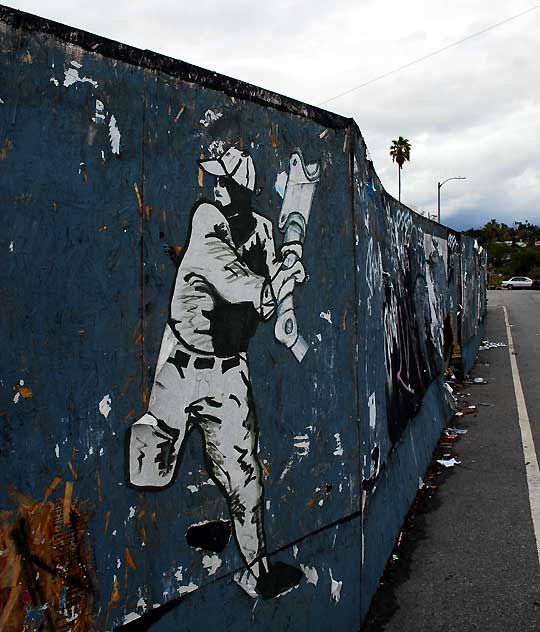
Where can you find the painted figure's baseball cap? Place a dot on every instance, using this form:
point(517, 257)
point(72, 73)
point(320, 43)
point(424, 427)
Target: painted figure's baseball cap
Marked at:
point(234, 163)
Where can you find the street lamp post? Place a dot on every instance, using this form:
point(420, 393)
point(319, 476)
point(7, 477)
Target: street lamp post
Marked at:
point(439, 185)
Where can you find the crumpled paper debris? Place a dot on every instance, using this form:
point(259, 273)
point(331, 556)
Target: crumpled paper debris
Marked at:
point(449, 462)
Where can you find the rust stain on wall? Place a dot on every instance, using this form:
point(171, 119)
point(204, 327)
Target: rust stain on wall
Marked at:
point(139, 198)
point(179, 113)
point(46, 575)
point(200, 177)
point(273, 136)
point(8, 146)
point(24, 391)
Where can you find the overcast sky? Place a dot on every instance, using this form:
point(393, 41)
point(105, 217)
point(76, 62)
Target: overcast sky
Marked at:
point(473, 110)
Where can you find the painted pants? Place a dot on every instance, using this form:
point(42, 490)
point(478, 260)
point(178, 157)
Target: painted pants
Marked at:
point(212, 395)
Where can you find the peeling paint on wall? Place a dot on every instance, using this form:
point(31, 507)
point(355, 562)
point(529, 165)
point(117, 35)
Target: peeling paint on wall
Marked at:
point(142, 340)
point(114, 135)
point(71, 76)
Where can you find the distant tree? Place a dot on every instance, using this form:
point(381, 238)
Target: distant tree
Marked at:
point(497, 253)
point(524, 230)
point(505, 232)
point(524, 261)
point(491, 230)
point(400, 150)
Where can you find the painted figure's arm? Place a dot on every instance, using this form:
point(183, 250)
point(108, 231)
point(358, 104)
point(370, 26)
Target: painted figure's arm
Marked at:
point(284, 271)
point(282, 274)
point(273, 260)
point(217, 260)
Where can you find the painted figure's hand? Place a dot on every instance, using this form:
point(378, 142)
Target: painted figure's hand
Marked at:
point(297, 271)
point(284, 281)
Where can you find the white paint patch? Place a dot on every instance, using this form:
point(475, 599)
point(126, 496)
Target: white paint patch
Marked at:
point(99, 117)
point(2, 101)
point(339, 448)
point(131, 513)
point(210, 117)
point(132, 616)
point(301, 443)
point(247, 583)
point(55, 81)
point(114, 135)
point(372, 406)
point(442, 248)
point(69, 616)
point(327, 316)
point(76, 64)
point(118, 563)
point(16, 397)
point(216, 148)
point(211, 563)
point(178, 574)
point(182, 590)
point(286, 469)
point(295, 551)
point(105, 405)
point(319, 337)
point(335, 588)
point(193, 488)
point(281, 183)
point(57, 451)
point(141, 603)
point(312, 577)
point(71, 76)
point(527, 441)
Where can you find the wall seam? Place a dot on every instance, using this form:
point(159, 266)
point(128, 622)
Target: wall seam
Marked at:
point(141, 248)
point(352, 137)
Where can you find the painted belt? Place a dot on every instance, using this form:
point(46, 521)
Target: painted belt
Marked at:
point(181, 360)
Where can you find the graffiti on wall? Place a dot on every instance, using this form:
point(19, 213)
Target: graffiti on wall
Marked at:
point(407, 267)
point(231, 276)
point(239, 348)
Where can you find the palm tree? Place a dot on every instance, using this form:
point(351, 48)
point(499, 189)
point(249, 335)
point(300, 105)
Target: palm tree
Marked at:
point(491, 230)
point(400, 150)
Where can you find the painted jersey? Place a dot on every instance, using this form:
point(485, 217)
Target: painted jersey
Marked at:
point(222, 290)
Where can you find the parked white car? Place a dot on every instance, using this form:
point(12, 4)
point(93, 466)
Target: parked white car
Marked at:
point(517, 283)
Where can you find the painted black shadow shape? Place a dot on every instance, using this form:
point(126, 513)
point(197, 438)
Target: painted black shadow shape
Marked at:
point(210, 536)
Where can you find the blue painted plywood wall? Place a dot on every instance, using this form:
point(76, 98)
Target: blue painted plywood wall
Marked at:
point(100, 175)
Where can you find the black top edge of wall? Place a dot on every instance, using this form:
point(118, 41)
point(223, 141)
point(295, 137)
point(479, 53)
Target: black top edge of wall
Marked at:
point(173, 67)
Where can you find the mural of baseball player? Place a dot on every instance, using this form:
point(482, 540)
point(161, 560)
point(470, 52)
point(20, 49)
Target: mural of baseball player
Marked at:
point(230, 278)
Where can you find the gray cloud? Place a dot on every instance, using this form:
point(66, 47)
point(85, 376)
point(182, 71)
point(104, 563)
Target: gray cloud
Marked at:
point(473, 110)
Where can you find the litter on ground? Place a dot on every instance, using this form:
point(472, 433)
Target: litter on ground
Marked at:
point(448, 462)
point(487, 344)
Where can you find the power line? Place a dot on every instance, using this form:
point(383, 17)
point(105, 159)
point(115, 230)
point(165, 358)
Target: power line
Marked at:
point(432, 54)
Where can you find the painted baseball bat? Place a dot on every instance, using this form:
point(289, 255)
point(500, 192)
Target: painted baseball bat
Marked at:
point(293, 221)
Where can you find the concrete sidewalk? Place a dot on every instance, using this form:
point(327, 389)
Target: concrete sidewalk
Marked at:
point(469, 559)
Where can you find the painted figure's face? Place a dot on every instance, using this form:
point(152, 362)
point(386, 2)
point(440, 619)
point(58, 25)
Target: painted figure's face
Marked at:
point(221, 194)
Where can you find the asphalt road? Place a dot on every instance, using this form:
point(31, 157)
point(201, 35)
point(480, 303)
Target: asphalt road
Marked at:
point(476, 565)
